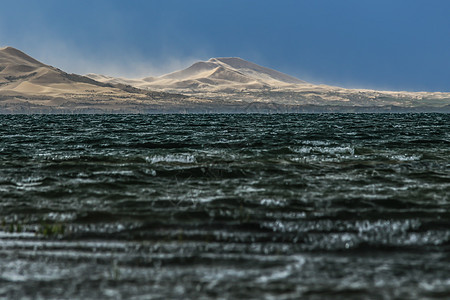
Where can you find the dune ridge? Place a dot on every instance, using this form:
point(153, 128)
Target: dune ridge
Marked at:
point(28, 85)
point(216, 74)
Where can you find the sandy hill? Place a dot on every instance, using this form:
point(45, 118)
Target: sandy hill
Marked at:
point(235, 80)
point(216, 74)
point(217, 85)
point(22, 74)
point(28, 85)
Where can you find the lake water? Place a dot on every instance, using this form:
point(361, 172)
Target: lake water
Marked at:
point(311, 206)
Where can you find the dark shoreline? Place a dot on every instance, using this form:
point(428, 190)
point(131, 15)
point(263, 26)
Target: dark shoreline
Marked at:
point(252, 108)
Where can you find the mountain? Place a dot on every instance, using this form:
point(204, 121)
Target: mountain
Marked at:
point(231, 79)
point(22, 74)
point(226, 72)
point(28, 85)
point(217, 85)
point(216, 74)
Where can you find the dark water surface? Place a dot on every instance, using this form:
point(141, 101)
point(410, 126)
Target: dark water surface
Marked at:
point(344, 206)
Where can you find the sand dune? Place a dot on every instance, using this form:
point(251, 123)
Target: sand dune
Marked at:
point(232, 69)
point(23, 74)
point(216, 74)
point(234, 79)
point(217, 85)
point(27, 85)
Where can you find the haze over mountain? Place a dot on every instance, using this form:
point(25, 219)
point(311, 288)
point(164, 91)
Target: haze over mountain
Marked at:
point(217, 85)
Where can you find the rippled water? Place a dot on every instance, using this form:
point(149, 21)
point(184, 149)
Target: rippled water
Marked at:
point(346, 206)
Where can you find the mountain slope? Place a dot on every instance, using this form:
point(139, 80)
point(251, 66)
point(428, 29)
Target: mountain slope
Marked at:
point(232, 69)
point(22, 74)
point(216, 85)
point(216, 74)
point(253, 70)
point(28, 85)
point(239, 81)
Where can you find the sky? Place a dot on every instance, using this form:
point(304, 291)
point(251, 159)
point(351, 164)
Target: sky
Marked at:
point(379, 44)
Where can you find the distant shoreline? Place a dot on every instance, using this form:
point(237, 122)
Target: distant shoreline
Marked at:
point(230, 110)
point(219, 85)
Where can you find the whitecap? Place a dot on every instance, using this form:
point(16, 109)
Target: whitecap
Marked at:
point(172, 158)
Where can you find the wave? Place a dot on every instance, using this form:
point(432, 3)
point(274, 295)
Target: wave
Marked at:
point(172, 158)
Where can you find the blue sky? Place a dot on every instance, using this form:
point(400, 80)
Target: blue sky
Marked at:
point(398, 45)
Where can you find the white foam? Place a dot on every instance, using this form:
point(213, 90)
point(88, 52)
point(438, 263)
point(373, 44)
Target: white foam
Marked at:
point(324, 150)
point(171, 158)
point(405, 157)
